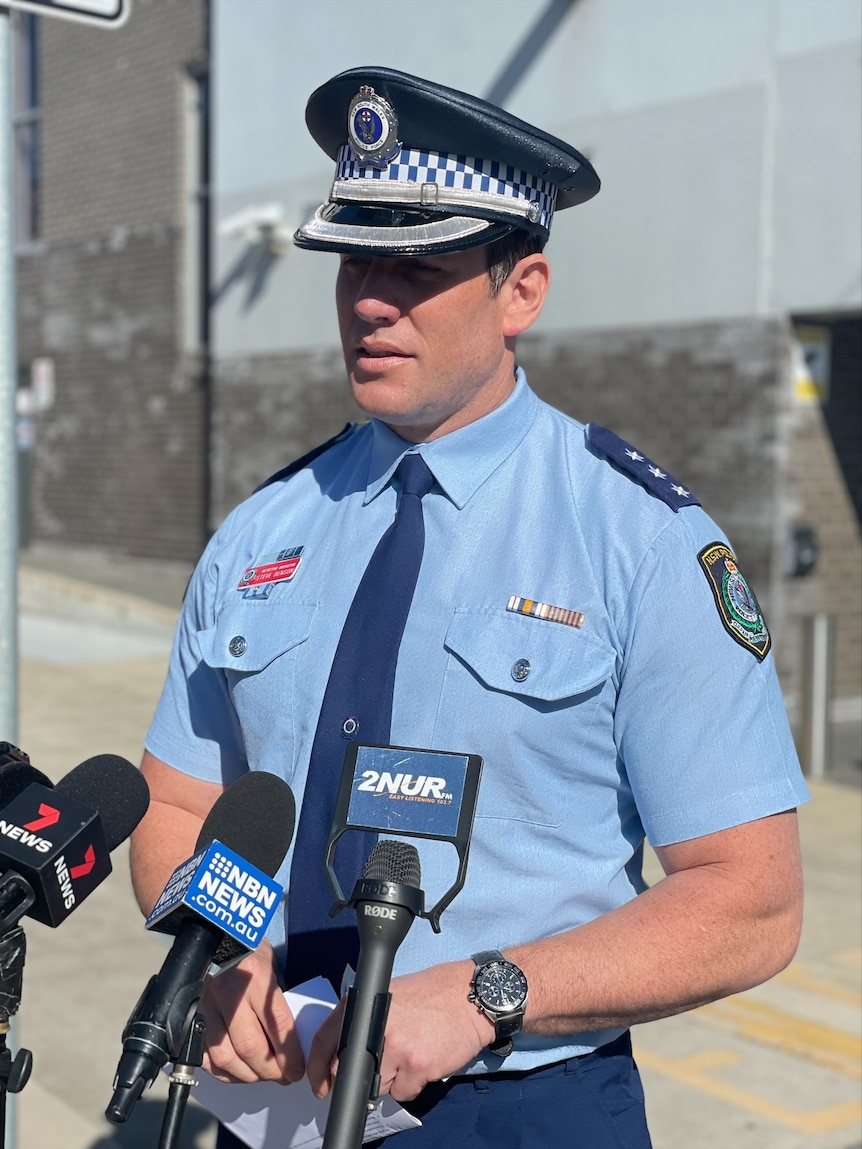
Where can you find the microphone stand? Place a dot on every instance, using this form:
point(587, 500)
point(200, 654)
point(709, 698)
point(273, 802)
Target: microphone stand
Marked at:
point(357, 1083)
point(16, 897)
point(182, 1079)
point(14, 1072)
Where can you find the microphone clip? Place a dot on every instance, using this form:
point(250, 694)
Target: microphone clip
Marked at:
point(382, 893)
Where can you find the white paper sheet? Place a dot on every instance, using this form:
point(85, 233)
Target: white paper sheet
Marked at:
point(269, 1116)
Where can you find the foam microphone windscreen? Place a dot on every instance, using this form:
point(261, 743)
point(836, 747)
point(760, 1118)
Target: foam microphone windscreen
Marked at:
point(114, 787)
point(255, 817)
point(15, 777)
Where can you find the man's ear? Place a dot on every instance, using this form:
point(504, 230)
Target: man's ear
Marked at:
point(525, 292)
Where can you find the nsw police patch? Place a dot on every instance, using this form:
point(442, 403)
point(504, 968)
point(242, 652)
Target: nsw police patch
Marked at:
point(737, 607)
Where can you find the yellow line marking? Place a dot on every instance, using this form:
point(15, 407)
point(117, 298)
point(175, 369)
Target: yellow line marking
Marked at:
point(798, 975)
point(708, 1060)
point(831, 1048)
point(685, 1069)
point(851, 958)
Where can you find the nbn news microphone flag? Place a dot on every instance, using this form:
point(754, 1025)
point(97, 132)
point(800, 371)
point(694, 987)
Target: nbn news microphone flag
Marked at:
point(216, 884)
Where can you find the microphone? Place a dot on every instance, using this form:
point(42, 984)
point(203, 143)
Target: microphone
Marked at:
point(387, 899)
point(55, 842)
point(16, 773)
point(217, 905)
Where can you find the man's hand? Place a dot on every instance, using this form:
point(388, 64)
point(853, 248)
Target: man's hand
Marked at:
point(431, 1032)
point(250, 1031)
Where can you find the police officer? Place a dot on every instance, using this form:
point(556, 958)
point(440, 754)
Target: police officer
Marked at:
point(578, 621)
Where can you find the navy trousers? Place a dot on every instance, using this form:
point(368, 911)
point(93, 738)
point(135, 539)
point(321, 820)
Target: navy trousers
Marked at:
point(591, 1102)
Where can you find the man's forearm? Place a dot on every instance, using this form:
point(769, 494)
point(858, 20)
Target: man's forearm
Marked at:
point(168, 834)
point(696, 936)
point(165, 837)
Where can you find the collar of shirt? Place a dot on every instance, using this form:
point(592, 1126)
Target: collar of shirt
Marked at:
point(462, 460)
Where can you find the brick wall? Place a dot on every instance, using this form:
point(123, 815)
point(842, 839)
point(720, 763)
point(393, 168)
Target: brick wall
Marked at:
point(268, 411)
point(815, 493)
point(712, 403)
point(118, 457)
point(112, 140)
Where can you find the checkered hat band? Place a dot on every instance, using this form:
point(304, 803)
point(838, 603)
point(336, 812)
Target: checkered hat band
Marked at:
point(490, 180)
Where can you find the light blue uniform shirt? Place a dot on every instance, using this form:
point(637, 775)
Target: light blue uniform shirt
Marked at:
point(648, 719)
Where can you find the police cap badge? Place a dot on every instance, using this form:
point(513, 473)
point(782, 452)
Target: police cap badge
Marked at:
point(422, 168)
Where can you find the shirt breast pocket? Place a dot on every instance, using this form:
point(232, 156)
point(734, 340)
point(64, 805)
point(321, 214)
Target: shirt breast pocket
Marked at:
point(536, 701)
point(258, 652)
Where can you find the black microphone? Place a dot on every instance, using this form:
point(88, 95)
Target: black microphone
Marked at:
point(16, 773)
point(55, 842)
point(387, 899)
point(218, 894)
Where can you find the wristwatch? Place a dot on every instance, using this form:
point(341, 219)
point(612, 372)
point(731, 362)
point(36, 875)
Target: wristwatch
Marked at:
point(499, 990)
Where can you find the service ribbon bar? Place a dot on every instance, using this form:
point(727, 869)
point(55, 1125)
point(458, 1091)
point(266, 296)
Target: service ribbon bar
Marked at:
point(544, 610)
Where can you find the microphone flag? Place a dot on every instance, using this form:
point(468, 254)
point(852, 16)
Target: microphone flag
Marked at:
point(221, 887)
point(57, 845)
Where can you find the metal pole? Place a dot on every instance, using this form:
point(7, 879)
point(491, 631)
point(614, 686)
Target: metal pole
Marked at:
point(8, 387)
point(8, 445)
point(816, 695)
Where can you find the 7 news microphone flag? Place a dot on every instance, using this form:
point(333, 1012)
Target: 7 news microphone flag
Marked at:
point(54, 846)
point(217, 904)
point(55, 842)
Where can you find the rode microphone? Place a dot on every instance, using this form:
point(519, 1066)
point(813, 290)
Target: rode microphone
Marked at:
point(217, 904)
point(410, 792)
point(55, 842)
point(387, 898)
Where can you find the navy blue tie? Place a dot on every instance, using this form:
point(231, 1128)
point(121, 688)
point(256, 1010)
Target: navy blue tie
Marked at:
point(357, 706)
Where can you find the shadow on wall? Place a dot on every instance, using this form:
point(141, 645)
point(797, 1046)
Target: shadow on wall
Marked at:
point(252, 268)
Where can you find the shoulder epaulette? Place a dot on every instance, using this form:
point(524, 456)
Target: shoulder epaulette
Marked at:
point(298, 464)
point(638, 467)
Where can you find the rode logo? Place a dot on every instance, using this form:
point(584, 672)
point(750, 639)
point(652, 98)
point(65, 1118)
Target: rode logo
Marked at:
point(377, 911)
point(373, 889)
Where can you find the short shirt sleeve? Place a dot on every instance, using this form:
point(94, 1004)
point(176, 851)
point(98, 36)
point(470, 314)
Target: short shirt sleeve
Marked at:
point(700, 721)
point(195, 727)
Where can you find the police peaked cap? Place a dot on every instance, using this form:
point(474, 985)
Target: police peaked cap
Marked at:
point(421, 168)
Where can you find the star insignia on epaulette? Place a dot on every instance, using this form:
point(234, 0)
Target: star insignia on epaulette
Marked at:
point(638, 467)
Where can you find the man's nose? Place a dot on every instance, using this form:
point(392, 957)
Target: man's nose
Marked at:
point(376, 298)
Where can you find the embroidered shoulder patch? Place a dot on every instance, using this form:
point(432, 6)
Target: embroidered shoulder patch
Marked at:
point(641, 469)
point(737, 607)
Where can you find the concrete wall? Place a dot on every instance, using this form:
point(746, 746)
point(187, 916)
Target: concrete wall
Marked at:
point(727, 136)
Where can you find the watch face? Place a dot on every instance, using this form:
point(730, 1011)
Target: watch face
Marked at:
point(501, 985)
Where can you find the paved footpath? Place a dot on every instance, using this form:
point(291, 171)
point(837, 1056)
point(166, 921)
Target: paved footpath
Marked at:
point(776, 1068)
